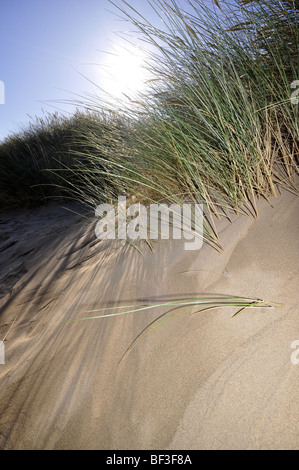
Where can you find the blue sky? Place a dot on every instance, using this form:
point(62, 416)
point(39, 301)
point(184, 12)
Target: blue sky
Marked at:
point(45, 47)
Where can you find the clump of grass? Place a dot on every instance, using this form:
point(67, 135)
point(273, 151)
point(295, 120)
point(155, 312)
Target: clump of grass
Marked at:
point(48, 160)
point(217, 125)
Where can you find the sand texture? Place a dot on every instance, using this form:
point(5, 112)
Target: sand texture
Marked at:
point(196, 382)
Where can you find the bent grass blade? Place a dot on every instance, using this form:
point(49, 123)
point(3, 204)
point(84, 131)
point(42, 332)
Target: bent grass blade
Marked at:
point(204, 303)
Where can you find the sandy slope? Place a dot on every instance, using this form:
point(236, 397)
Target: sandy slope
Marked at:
point(197, 382)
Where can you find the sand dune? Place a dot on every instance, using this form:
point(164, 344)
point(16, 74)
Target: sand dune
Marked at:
point(197, 382)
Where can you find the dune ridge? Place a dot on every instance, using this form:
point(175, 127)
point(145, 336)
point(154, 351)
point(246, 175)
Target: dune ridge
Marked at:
point(200, 382)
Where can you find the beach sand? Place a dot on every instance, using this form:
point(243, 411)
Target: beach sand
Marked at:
point(205, 381)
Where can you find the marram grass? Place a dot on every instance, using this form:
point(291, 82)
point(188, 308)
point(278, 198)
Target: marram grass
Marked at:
point(216, 125)
point(193, 306)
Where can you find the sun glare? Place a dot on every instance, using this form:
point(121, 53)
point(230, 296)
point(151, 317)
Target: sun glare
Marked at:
point(123, 72)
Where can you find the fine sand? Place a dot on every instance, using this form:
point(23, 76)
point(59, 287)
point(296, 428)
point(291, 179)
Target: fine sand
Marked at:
point(196, 382)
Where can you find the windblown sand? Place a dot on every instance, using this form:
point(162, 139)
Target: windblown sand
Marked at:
point(205, 381)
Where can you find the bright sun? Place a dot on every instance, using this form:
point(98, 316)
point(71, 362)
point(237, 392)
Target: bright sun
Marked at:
point(123, 72)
